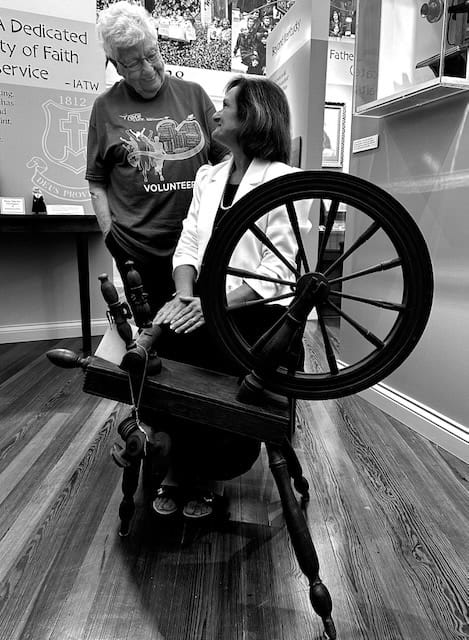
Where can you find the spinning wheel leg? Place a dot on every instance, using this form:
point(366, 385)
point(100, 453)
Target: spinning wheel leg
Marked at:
point(296, 472)
point(151, 476)
point(155, 464)
point(130, 477)
point(301, 539)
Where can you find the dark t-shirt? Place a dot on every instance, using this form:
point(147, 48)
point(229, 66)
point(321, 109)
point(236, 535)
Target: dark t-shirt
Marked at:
point(147, 153)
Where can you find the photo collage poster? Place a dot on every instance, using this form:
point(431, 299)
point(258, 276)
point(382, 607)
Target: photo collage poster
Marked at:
point(219, 35)
point(228, 35)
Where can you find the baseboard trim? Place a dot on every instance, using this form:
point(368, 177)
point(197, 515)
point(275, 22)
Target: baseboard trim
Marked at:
point(49, 330)
point(443, 431)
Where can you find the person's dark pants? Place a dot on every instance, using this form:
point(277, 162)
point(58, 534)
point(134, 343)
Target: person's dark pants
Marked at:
point(156, 275)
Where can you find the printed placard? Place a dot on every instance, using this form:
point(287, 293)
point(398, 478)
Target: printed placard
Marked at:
point(65, 209)
point(12, 206)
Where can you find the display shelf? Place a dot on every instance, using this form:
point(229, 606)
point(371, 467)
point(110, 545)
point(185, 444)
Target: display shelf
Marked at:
point(409, 53)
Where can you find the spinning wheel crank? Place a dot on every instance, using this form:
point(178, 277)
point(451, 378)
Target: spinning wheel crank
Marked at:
point(387, 322)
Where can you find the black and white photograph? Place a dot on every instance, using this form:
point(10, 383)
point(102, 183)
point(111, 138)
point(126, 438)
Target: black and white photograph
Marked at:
point(234, 320)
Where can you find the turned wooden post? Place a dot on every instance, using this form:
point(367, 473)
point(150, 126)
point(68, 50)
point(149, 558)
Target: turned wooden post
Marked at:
point(296, 472)
point(274, 346)
point(138, 297)
point(301, 539)
point(130, 476)
point(119, 311)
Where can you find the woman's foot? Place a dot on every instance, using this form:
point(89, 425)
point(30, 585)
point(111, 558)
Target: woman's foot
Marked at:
point(166, 501)
point(200, 506)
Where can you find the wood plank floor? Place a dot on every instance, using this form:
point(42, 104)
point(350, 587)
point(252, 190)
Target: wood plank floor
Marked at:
point(389, 514)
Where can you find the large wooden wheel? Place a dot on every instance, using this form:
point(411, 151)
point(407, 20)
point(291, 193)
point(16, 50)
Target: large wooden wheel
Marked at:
point(385, 302)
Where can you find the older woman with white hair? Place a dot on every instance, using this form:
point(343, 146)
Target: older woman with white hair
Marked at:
point(148, 135)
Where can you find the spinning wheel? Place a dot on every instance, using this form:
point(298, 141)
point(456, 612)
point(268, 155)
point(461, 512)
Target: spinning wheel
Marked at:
point(387, 322)
point(400, 281)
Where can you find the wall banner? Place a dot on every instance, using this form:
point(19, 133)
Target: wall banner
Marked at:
point(51, 69)
point(340, 61)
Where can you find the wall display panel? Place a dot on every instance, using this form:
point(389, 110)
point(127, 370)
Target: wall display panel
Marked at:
point(300, 41)
point(409, 53)
point(51, 70)
point(49, 77)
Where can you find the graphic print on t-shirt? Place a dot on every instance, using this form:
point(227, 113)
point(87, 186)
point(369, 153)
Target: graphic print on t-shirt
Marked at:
point(153, 145)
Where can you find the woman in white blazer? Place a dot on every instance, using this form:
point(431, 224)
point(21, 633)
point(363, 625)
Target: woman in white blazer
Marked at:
point(254, 124)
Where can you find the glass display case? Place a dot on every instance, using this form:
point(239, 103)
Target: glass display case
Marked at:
point(409, 53)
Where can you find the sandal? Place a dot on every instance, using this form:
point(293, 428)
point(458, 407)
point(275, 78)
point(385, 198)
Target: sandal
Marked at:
point(201, 506)
point(165, 503)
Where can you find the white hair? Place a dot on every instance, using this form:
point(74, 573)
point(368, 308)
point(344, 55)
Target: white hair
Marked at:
point(123, 25)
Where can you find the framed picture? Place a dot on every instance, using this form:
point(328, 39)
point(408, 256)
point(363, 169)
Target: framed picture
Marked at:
point(334, 133)
point(295, 154)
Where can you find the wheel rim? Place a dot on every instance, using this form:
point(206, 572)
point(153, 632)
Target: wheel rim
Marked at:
point(381, 223)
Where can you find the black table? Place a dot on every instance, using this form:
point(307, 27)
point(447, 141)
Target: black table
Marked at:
point(78, 225)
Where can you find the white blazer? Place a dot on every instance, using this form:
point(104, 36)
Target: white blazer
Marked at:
point(250, 254)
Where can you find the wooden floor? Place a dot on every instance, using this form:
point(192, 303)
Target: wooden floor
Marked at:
point(389, 514)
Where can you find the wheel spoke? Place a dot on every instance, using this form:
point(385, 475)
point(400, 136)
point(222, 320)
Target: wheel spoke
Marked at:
point(382, 266)
point(334, 369)
point(251, 275)
point(331, 216)
point(382, 304)
point(368, 335)
point(296, 230)
point(262, 237)
point(254, 303)
point(366, 235)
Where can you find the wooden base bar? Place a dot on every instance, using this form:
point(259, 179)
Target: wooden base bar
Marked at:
point(201, 396)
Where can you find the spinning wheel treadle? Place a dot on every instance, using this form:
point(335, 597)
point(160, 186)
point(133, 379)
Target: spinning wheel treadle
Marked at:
point(399, 278)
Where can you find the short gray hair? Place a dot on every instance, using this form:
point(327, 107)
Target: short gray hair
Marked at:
point(122, 25)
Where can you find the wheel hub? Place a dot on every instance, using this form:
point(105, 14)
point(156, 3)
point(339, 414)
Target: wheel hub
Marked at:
point(313, 289)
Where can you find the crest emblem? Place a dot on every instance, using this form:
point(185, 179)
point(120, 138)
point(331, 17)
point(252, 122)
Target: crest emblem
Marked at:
point(65, 133)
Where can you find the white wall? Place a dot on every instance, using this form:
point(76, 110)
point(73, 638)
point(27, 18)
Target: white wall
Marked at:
point(423, 160)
